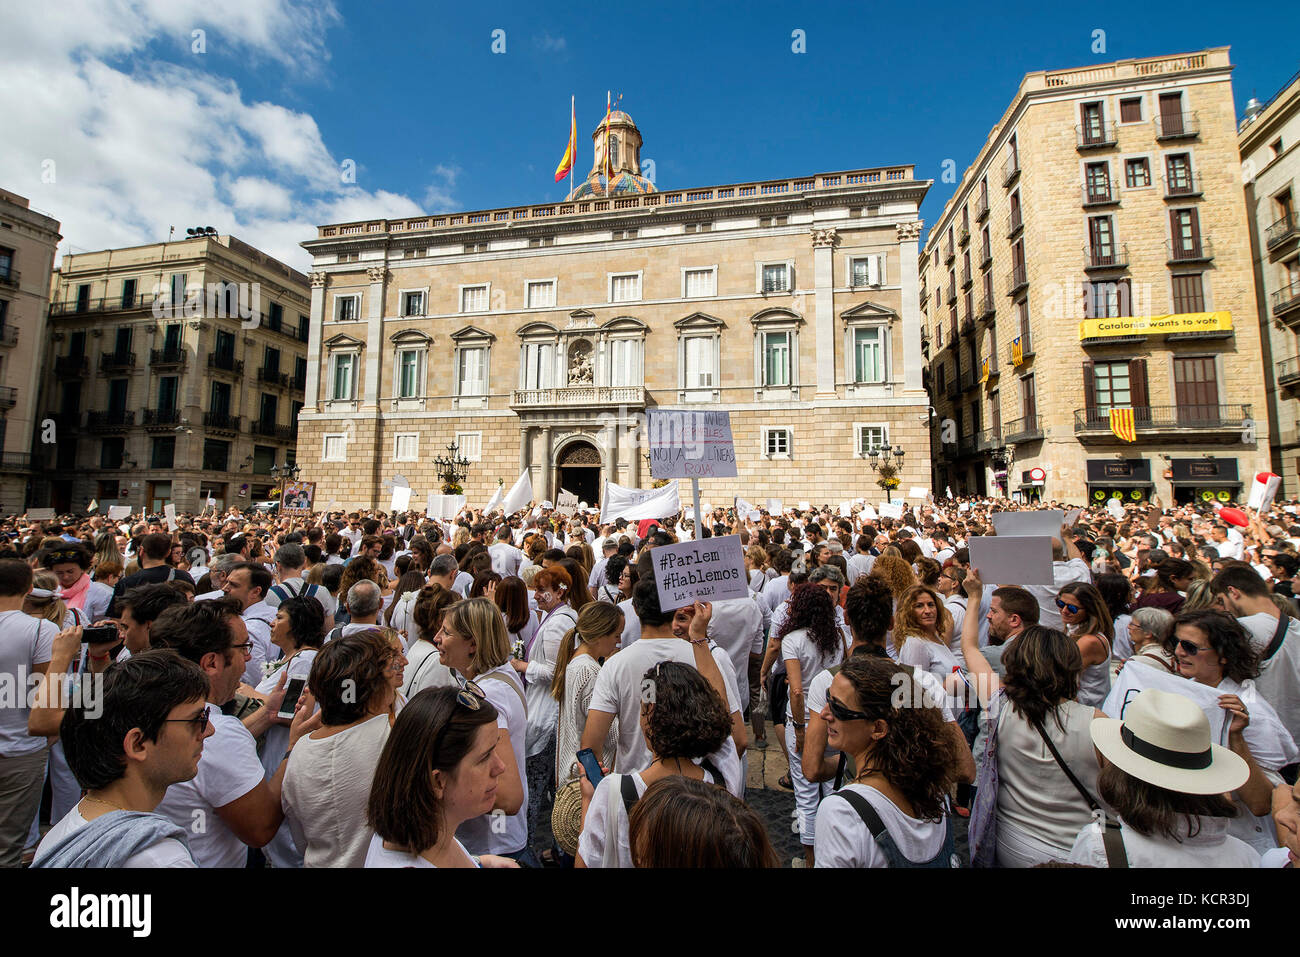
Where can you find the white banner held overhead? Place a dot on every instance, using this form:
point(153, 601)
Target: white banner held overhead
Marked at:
point(119, 511)
point(710, 569)
point(774, 506)
point(40, 514)
point(169, 513)
point(401, 498)
point(635, 504)
point(694, 445)
point(520, 494)
point(566, 504)
point(916, 491)
point(442, 507)
point(1013, 524)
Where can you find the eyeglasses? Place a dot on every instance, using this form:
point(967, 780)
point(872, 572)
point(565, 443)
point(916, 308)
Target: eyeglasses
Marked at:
point(200, 720)
point(245, 646)
point(1190, 648)
point(1065, 605)
point(841, 713)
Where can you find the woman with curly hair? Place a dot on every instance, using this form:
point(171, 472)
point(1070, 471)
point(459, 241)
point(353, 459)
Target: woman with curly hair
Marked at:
point(810, 641)
point(894, 812)
point(922, 630)
point(1089, 623)
point(363, 568)
point(685, 725)
point(896, 572)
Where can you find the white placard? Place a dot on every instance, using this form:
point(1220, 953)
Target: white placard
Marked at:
point(40, 514)
point(1116, 509)
point(636, 504)
point(443, 507)
point(93, 506)
point(685, 444)
point(119, 511)
point(890, 510)
point(708, 569)
point(566, 504)
point(1072, 516)
point(169, 513)
point(1136, 677)
point(1012, 524)
point(963, 507)
point(401, 498)
point(805, 506)
point(916, 491)
point(773, 506)
point(846, 509)
point(1020, 560)
point(1263, 490)
point(869, 512)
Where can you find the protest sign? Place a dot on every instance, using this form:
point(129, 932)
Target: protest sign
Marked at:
point(1136, 677)
point(41, 514)
point(804, 506)
point(442, 506)
point(916, 491)
point(635, 504)
point(694, 445)
point(93, 506)
point(846, 509)
point(710, 569)
point(401, 498)
point(1072, 516)
point(869, 512)
point(566, 504)
point(1018, 560)
point(169, 513)
point(774, 506)
point(1047, 522)
point(119, 511)
point(890, 510)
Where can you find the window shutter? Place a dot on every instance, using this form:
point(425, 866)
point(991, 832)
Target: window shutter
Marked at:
point(1137, 383)
point(1089, 386)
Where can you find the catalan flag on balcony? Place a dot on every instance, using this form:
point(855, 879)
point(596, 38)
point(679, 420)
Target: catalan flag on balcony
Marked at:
point(1121, 423)
point(566, 163)
point(984, 370)
point(1017, 352)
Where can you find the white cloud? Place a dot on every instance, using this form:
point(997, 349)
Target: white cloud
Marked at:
point(550, 44)
point(140, 144)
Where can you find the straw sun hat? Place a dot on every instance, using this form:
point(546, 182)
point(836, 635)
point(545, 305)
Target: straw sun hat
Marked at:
point(1164, 739)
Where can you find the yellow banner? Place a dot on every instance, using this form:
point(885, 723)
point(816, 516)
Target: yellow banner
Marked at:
point(1017, 352)
point(1156, 325)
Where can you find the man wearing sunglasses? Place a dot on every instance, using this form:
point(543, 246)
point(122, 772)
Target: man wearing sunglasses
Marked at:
point(147, 734)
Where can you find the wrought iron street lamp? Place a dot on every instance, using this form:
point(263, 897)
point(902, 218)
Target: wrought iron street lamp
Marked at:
point(887, 463)
point(285, 473)
point(452, 469)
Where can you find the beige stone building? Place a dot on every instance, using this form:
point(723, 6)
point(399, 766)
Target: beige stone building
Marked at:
point(27, 242)
point(1096, 257)
point(1270, 156)
point(174, 374)
point(537, 336)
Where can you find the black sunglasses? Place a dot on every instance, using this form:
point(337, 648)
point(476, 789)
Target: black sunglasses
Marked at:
point(1072, 609)
point(200, 720)
point(1190, 648)
point(842, 713)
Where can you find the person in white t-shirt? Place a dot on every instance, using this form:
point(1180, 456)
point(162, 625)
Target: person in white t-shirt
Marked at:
point(146, 733)
point(442, 756)
point(686, 730)
point(249, 583)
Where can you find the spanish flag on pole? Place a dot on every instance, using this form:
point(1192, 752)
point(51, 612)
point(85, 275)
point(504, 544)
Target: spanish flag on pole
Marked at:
point(1122, 425)
point(566, 163)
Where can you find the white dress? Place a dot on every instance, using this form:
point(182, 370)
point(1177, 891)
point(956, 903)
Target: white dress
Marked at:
point(579, 681)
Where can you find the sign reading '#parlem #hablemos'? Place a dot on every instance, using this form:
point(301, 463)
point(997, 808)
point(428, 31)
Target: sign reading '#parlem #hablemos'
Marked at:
point(690, 444)
point(709, 569)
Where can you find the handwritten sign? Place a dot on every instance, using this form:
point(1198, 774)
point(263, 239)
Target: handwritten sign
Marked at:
point(709, 569)
point(690, 445)
point(567, 503)
point(890, 510)
point(119, 511)
point(169, 512)
point(773, 506)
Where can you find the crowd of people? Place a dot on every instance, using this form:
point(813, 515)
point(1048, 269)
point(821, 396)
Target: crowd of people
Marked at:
point(361, 689)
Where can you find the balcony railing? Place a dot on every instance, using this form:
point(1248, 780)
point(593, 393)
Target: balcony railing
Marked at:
point(948, 252)
point(273, 377)
point(1100, 194)
point(1199, 251)
point(965, 276)
point(1152, 418)
point(221, 421)
point(1095, 136)
point(15, 461)
point(1015, 223)
point(9, 277)
point(1288, 227)
point(952, 293)
point(963, 235)
point(298, 383)
point(282, 432)
point(1027, 429)
point(1288, 371)
point(981, 208)
point(1106, 257)
point(988, 308)
point(578, 395)
point(8, 335)
point(1018, 280)
point(968, 379)
point(1287, 298)
point(1182, 187)
point(107, 304)
point(154, 418)
point(225, 363)
point(71, 365)
point(109, 361)
point(167, 357)
point(1177, 126)
point(990, 438)
point(111, 421)
point(1010, 169)
point(966, 444)
point(8, 397)
point(986, 257)
point(951, 388)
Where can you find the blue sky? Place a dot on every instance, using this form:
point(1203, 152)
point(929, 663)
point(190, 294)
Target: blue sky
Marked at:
point(248, 134)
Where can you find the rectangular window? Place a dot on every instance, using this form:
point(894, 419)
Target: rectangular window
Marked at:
point(1102, 237)
point(625, 288)
point(412, 303)
point(347, 308)
point(1097, 176)
point(1094, 129)
point(128, 293)
point(1137, 172)
point(860, 273)
point(220, 402)
point(869, 355)
point(178, 289)
point(216, 456)
point(1178, 172)
point(275, 317)
point(776, 278)
point(699, 363)
point(110, 453)
point(263, 459)
point(1108, 300)
point(1186, 231)
point(625, 362)
point(335, 448)
point(167, 389)
point(122, 344)
point(700, 283)
point(271, 360)
point(6, 262)
point(1171, 114)
point(1130, 110)
point(406, 446)
point(539, 365)
point(472, 365)
point(164, 452)
point(776, 442)
point(776, 359)
point(872, 437)
point(1196, 388)
point(1028, 400)
point(408, 374)
point(470, 445)
point(270, 409)
point(1111, 385)
point(541, 295)
point(116, 395)
point(304, 327)
point(474, 299)
point(345, 369)
point(1189, 294)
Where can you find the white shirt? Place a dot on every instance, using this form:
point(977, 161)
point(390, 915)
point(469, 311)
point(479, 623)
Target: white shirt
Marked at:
point(798, 646)
point(484, 834)
point(24, 641)
point(859, 565)
point(843, 839)
point(505, 559)
point(1063, 573)
point(168, 852)
point(631, 624)
point(379, 856)
point(597, 828)
point(737, 627)
point(228, 769)
point(1211, 847)
point(1279, 678)
point(257, 619)
point(296, 586)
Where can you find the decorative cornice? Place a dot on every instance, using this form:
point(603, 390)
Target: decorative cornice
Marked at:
point(909, 232)
point(318, 279)
point(377, 273)
point(824, 236)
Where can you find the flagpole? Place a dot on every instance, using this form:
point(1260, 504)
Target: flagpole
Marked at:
point(573, 126)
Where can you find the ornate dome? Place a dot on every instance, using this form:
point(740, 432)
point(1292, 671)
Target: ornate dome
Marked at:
point(624, 143)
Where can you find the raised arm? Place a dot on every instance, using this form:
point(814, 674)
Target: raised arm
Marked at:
point(985, 678)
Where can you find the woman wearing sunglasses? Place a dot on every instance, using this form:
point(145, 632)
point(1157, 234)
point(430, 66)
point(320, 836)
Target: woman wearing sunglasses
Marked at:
point(1212, 649)
point(1088, 621)
point(894, 813)
point(474, 644)
point(439, 768)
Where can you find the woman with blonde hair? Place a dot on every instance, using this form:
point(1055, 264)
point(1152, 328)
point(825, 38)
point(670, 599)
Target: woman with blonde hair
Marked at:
point(1200, 597)
point(582, 653)
point(43, 600)
point(473, 642)
point(757, 563)
point(581, 553)
point(1088, 621)
point(922, 631)
point(895, 571)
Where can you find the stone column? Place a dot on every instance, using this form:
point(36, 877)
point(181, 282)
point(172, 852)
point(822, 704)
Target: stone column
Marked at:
point(823, 241)
point(374, 335)
point(316, 334)
point(542, 489)
point(908, 236)
point(524, 450)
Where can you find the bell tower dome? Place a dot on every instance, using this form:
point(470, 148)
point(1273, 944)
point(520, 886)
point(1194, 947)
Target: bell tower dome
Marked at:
point(625, 160)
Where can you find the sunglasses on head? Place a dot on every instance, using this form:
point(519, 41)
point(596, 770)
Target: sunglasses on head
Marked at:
point(841, 713)
point(1065, 605)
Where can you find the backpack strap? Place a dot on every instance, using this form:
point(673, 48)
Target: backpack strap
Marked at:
point(493, 676)
point(865, 811)
point(1279, 635)
point(1113, 840)
point(627, 788)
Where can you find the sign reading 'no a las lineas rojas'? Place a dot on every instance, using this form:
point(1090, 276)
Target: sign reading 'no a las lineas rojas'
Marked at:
point(688, 444)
